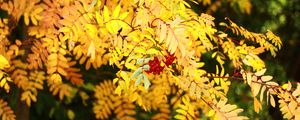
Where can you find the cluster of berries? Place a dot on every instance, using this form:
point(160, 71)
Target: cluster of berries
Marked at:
point(155, 66)
point(169, 59)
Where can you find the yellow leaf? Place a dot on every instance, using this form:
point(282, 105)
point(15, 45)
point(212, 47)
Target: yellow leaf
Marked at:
point(123, 15)
point(180, 117)
point(285, 86)
point(92, 51)
point(51, 70)
point(106, 14)
point(92, 30)
point(55, 78)
point(6, 88)
point(62, 51)
point(162, 32)
point(257, 105)
point(98, 18)
point(262, 93)
point(34, 21)
point(26, 18)
point(110, 28)
point(61, 71)
point(266, 78)
point(124, 75)
point(272, 101)
point(130, 66)
point(3, 62)
point(222, 71)
point(140, 50)
point(261, 72)
point(38, 10)
point(118, 90)
point(255, 88)
point(64, 29)
point(211, 113)
point(289, 86)
point(38, 86)
point(152, 51)
point(3, 81)
point(52, 57)
point(249, 78)
point(116, 12)
point(33, 97)
point(181, 111)
point(297, 91)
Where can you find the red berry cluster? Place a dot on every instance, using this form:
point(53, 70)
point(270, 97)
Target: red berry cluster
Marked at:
point(169, 59)
point(155, 66)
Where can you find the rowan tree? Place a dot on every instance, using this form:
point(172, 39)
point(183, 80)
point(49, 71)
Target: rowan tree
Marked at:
point(156, 51)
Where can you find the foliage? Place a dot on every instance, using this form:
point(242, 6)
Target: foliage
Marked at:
point(156, 49)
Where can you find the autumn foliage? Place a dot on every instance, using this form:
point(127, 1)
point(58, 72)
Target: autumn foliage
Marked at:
point(157, 48)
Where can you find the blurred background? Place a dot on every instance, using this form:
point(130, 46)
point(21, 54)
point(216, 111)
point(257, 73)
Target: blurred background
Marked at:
point(281, 17)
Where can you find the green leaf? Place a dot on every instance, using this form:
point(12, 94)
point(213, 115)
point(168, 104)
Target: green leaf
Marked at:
point(146, 67)
point(89, 87)
point(147, 60)
point(51, 113)
point(146, 82)
point(137, 72)
point(138, 81)
point(140, 61)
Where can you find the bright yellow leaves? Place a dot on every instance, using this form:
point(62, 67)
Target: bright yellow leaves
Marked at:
point(268, 41)
point(3, 62)
point(254, 61)
point(221, 79)
point(55, 78)
point(34, 16)
point(114, 22)
point(4, 29)
point(186, 110)
point(3, 77)
point(92, 51)
point(38, 57)
point(27, 96)
point(260, 84)
point(34, 83)
point(57, 63)
point(4, 80)
point(173, 35)
point(29, 8)
point(228, 111)
point(76, 34)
